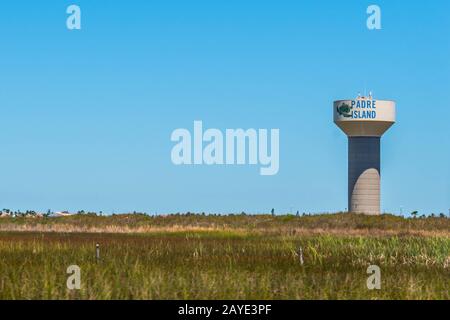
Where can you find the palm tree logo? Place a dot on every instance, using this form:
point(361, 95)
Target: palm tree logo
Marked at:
point(344, 110)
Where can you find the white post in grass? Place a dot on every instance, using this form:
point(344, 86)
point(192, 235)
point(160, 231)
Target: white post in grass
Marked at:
point(300, 255)
point(97, 252)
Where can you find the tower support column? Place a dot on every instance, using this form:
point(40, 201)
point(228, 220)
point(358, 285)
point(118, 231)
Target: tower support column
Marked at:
point(364, 175)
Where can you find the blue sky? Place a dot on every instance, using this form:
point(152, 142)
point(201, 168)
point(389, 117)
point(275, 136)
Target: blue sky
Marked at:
point(87, 115)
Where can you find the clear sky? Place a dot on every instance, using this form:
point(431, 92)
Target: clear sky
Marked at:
point(87, 115)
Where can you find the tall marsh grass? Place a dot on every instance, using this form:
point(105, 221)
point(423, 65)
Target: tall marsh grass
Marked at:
point(222, 264)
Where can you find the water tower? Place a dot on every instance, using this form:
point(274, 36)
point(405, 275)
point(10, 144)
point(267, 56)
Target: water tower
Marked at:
point(364, 120)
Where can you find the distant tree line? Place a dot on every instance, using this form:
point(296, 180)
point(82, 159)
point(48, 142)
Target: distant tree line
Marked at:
point(31, 213)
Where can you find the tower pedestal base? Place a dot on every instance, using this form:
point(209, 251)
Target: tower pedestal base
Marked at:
point(364, 175)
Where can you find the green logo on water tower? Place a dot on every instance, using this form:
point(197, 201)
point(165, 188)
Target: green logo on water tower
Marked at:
point(344, 110)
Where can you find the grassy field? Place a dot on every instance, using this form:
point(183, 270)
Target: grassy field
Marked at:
point(225, 257)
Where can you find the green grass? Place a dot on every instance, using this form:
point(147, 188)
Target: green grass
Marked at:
point(223, 264)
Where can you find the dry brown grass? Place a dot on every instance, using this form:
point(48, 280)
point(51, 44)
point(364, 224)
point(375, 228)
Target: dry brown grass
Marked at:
point(67, 228)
